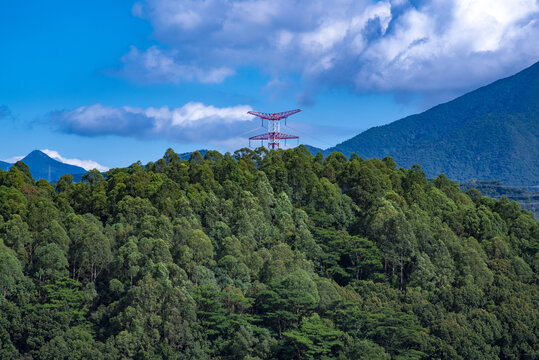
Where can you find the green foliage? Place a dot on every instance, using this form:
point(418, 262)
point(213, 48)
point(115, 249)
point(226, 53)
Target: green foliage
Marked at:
point(316, 338)
point(528, 199)
point(263, 255)
point(10, 271)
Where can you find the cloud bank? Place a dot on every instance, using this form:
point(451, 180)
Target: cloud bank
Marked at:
point(85, 164)
point(366, 45)
point(192, 123)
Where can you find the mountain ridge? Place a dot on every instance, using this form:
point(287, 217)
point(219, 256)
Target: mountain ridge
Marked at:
point(511, 104)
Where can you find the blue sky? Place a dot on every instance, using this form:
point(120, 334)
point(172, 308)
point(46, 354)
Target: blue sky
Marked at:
point(119, 81)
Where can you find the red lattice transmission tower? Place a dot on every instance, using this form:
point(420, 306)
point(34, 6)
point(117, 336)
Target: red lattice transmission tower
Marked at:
point(274, 133)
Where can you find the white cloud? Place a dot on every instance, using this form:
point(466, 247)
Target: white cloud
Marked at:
point(85, 164)
point(193, 122)
point(13, 159)
point(367, 45)
point(156, 66)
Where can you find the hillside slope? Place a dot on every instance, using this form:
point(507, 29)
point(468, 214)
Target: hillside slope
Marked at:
point(489, 133)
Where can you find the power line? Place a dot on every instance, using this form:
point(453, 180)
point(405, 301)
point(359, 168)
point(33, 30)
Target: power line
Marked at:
point(309, 136)
point(250, 131)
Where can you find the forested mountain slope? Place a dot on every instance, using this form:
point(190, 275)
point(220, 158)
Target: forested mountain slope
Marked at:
point(491, 133)
point(264, 255)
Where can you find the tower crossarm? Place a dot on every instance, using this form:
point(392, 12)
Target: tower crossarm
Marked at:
point(286, 136)
point(260, 137)
point(274, 116)
point(272, 135)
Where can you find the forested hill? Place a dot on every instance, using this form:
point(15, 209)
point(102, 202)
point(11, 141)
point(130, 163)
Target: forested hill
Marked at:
point(489, 134)
point(264, 255)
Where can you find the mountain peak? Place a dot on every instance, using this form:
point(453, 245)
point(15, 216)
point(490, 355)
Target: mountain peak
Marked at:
point(37, 154)
point(42, 166)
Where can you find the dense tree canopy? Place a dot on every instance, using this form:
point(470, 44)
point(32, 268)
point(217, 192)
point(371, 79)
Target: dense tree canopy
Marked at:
point(264, 255)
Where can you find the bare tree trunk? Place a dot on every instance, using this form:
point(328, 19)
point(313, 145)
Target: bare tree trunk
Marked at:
point(402, 268)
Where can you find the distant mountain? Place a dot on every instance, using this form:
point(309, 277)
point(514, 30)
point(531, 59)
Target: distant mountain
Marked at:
point(5, 166)
point(313, 149)
point(187, 155)
point(43, 166)
point(491, 133)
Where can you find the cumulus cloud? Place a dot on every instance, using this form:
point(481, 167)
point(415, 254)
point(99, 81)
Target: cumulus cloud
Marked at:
point(367, 45)
point(85, 164)
point(157, 66)
point(192, 123)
